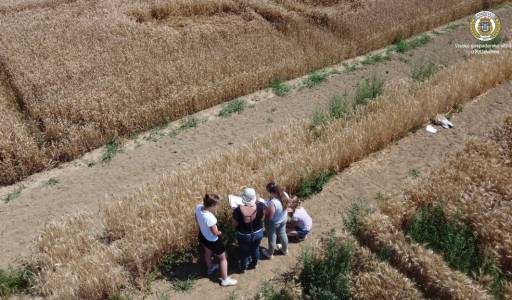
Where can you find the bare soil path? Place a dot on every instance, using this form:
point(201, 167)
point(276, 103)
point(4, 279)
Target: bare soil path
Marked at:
point(80, 188)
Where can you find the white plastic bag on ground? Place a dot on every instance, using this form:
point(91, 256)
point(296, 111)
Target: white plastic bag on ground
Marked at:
point(431, 129)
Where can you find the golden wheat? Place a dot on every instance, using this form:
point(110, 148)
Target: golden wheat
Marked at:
point(88, 71)
point(20, 154)
point(427, 268)
point(507, 291)
point(159, 218)
point(370, 278)
point(88, 256)
point(378, 280)
point(476, 184)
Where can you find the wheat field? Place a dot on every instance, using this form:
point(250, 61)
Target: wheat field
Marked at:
point(474, 188)
point(142, 228)
point(80, 73)
point(378, 256)
point(474, 185)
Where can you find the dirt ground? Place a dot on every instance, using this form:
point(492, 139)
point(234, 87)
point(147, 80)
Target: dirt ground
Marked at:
point(81, 188)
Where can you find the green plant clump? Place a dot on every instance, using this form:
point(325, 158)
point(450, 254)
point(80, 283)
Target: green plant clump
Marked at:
point(313, 183)
point(375, 59)
point(454, 239)
point(326, 276)
point(51, 182)
point(268, 292)
point(188, 123)
point(111, 149)
point(403, 46)
point(235, 106)
point(169, 262)
point(318, 119)
point(183, 285)
point(424, 72)
point(280, 88)
point(352, 221)
point(369, 89)
point(414, 173)
point(13, 195)
point(339, 107)
point(349, 68)
point(315, 79)
point(13, 281)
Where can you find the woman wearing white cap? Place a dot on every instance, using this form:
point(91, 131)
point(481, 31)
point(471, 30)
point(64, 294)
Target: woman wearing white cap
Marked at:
point(248, 221)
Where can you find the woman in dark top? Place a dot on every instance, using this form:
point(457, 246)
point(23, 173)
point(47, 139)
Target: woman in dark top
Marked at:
point(248, 221)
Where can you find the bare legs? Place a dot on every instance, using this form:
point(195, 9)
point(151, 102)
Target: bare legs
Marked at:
point(208, 257)
point(223, 262)
point(223, 266)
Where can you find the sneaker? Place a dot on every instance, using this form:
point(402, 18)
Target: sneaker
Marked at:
point(279, 246)
point(251, 266)
point(267, 254)
point(212, 270)
point(228, 282)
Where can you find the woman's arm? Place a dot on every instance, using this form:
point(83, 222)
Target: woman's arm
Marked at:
point(215, 230)
point(234, 217)
point(271, 211)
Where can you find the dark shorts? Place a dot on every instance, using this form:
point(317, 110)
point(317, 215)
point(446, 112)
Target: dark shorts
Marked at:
point(216, 247)
point(301, 232)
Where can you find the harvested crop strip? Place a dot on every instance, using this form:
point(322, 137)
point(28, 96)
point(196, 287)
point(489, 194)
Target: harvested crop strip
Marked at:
point(427, 268)
point(90, 71)
point(158, 219)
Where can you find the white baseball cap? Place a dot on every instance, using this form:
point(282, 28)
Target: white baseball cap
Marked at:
point(249, 196)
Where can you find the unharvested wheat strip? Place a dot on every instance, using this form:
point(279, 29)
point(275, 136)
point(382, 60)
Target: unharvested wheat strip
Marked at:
point(378, 280)
point(159, 218)
point(427, 268)
point(94, 268)
point(20, 154)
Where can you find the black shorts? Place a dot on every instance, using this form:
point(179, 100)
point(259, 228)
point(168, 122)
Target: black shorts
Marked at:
point(216, 247)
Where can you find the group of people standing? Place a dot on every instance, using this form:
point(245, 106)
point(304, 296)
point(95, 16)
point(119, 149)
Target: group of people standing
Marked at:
point(278, 217)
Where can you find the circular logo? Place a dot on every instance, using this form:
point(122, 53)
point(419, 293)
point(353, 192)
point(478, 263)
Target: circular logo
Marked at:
point(485, 26)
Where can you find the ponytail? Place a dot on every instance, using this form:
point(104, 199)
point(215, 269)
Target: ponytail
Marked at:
point(210, 200)
point(277, 190)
